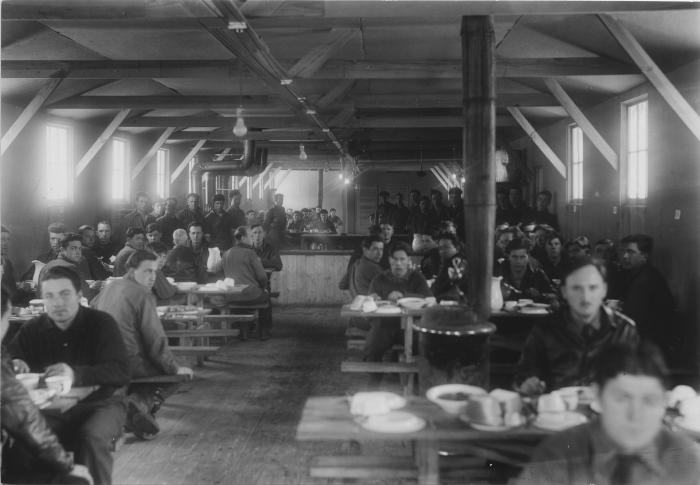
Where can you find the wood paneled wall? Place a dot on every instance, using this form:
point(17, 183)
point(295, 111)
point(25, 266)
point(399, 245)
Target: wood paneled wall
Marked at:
point(310, 279)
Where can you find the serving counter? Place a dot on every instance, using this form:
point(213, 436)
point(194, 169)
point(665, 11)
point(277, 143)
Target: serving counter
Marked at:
point(311, 277)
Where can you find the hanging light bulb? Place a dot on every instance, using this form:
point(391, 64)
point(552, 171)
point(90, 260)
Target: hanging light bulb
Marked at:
point(302, 153)
point(240, 129)
point(340, 175)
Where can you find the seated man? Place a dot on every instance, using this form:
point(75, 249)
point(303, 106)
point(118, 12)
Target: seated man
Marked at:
point(135, 241)
point(520, 279)
point(296, 224)
point(244, 266)
point(269, 256)
point(398, 282)
point(629, 444)
point(71, 255)
point(180, 261)
point(323, 224)
point(162, 288)
point(56, 232)
point(361, 273)
point(104, 247)
point(34, 454)
point(451, 280)
point(554, 262)
point(85, 345)
point(559, 350)
point(97, 269)
point(200, 248)
point(154, 233)
point(132, 305)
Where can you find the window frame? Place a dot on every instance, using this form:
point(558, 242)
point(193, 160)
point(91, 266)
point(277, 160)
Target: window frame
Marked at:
point(572, 165)
point(163, 176)
point(127, 170)
point(69, 167)
point(625, 152)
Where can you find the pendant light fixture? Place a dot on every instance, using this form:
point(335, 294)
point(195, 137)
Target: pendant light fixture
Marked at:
point(302, 152)
point(240, 129)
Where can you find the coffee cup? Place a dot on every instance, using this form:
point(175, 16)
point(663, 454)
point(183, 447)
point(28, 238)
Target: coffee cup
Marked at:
point(60, 384)
point(510, 305)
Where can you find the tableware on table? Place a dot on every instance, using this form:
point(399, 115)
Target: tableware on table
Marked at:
point(453, 398)
point(494, 413)
point(496, 293)
point(595, 406)
point(689, 424)
point(551, 403)
point(357, 302)
point(369, 306)
point(525, 302)
point(185, 285)
point(36, 306)
point(388, 310)
point(29, 380)
point(690, 408)
point(529, 310)
point(510, 305)
point(60, 384)
point(375, 402)
point(679, 394)
point(41, 397)
point(510, 401)
point(585, 393)
point(540, 305)
point(394, 422)
point(614, 304)
point(412, 303)
point(558, 421)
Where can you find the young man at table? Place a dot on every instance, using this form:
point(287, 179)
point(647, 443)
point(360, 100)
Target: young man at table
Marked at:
point(629, 444)
point(520, 277)
point(85, 345)
point(269, 255)
point(200, 248)
point(104, 248)
point(33, 454)
point(560, 350)
point(71, 255)
point(135, 241)
point(397, 282)
point(56, 232)
point(132, 304)
point(244, 266)
point(360, 274)
point(451, 281)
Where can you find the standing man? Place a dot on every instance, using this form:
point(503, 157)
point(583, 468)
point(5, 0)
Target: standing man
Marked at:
point(402, 215)
point(269, 256)
point(104, 248)
point(520, 212)
point(97, 269)
point(237, 214)
point(168, 222)
point(135, 240)
point(84, 345)
point(276, 222)
point(200, 248)
point(192, 212)
point(542, 214)
point(385, 209)
point(218, 225)
point(646, 296)
point(386, 233)
point(140, 216)
point(455, 210)
point(132, 304)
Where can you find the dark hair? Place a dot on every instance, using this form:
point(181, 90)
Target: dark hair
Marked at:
point(174, 199)
point(399, 246)
point(59, 273)
point(546, 193)
point(192, 194)
point(446, 226)
point(449, 236)
point(323, 211)
point(610, 249)
point(219, 197)
point(106, 223)
point(57, 228)
point(154, 226)
point(551, 235)
point(85, 227)
point(194, 224)
point(70, 237)
point(141, 194)
point(240, 233)
point(516, 244)
point(435, 192)
point(371, 239)
point(5, 301)
point(331, 209)
point(581, 262)
point(158, 248)
point(138, 257)
point(414, 191)
point(644, 243)
point(374, 230)
point(133, 231)
point(644, 359)
point(253, 226)
point(234, 193)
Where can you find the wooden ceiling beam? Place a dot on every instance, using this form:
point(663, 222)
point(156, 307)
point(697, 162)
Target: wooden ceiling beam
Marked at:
point(655, 75)
point(338, 92)
point(101, 140)
point(421, 122)
point(425, 101)
point(227, 136)
point(193, 151)
point(217, 121)
point(145, 160)
point(308, 65)
point(582, 121)
point(249, 103)
point(28, 113)
point(334, 69)
point(539, 141)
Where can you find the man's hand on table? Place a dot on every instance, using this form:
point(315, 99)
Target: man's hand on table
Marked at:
point(394, 296)
point(19, 366)
point(532, 386)
point(185, 371)
point(60, 369)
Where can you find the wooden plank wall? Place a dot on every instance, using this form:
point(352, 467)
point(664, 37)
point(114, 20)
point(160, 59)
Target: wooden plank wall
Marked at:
point(310, 279)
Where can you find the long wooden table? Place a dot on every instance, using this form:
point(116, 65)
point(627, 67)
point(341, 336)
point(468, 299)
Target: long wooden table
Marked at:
point(61, 404)
point(328, 418)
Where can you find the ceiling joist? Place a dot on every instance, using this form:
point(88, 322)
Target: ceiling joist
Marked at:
point(308, 65)
point(195, 149)
point(101, 140)
point(539, 141)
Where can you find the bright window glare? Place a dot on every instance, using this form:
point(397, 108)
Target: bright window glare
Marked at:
point(637, 145)
point(119, 162)
point(162, 173)
point(576, 157)
point(57, 162)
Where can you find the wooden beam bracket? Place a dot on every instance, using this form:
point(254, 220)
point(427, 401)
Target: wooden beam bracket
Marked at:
point(101, 140)
point(539, 141)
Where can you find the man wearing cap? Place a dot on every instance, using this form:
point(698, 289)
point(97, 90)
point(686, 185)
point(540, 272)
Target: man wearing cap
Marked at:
point(276, 222)
point(385, 209)
point(455, 210)
point(542, 214)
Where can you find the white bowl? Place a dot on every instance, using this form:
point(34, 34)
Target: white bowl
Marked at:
point(412, 303)
point(453, 406)
point(29, 380)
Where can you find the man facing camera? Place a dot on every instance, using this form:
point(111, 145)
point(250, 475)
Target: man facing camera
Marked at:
point(560, 350)
point(85, 345)
point(628, 445)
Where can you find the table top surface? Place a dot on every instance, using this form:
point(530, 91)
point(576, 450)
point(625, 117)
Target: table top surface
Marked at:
point(345, 311)
point(328, 418)
point(204, 290)
point(61, 404)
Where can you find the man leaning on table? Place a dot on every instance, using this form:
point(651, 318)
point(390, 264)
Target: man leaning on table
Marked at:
point(133, 306)
point(628, 444)
point(85, 345)
point(560, 350)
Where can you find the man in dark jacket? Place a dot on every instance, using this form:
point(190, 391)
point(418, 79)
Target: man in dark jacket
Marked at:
point(85, 345)
point(34, 454)
point(560, 351)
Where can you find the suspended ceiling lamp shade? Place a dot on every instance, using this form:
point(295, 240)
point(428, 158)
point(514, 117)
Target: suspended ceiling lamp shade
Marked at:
point(240, 129)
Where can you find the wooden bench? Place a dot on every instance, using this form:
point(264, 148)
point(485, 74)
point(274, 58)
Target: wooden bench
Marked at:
point(162, 379)
point(200, 353)
point(204, 333)
point(363, 467)
point(379, 367)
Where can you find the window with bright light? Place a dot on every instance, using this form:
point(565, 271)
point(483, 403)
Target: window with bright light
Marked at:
point(162, 173)
point(636, 149)
point(190, 166)
point(59, 170)
point(120, 163)
point(575, 163)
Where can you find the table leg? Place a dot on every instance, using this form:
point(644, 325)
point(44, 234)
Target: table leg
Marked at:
point(408, 353)
point(427, 462)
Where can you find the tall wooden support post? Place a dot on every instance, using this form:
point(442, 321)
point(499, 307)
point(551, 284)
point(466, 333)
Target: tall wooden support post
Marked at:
point(320, 189)
point(478, 46)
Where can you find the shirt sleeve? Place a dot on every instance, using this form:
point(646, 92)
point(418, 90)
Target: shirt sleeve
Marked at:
point(419, 286)
point(258, 269)
point(155, 342)
point(531, 363)
point(162, 287)
point(111, 367)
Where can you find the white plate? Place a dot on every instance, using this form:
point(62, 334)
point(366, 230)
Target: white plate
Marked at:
point(687, 425)
point(487, 427)
point(394, 422)
point(569, 419)
point(529, 310)
point(212, 289)
point(412, 303)
point(41, 396)
point(388, 309)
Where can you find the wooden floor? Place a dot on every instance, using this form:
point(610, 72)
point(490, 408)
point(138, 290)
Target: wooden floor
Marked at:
point(235, 423)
